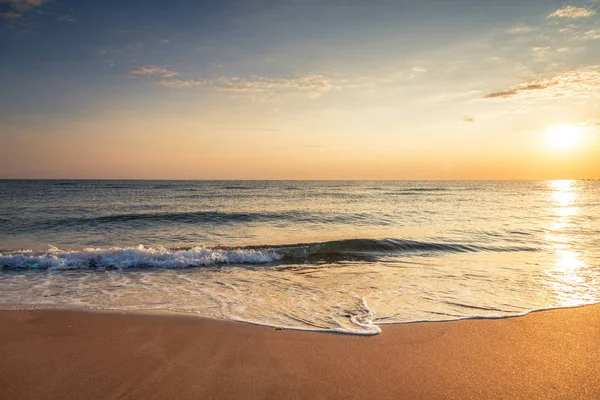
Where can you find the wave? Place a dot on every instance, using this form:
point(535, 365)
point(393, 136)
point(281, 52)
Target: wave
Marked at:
point(417, 192)
point(412, 189)
point(431, 189)
point(199, 217)
point(159, 257)
point(62, 183)
point(132, 257)
point(373, 249)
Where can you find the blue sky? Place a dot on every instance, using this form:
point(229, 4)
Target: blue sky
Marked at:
point(371, 81)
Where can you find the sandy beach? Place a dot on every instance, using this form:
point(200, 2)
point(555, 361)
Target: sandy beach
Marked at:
point(81, 355)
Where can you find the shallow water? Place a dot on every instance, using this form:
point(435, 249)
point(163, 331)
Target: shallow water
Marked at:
point(341, 256)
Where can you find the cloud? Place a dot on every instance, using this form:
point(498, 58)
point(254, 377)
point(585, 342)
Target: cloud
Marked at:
point(519, 29)
point(589, 125)
point(540, 52)
point(572, 12)
point(23, 5)
point(153, 70)
point(415, 72)
point(568, 29)
point(66, 18)
point(179, 82)
point(468, 118)
point(11, 15)
point(578, 83)
point(592, 34)
point(312, 84)
point(539, 85)
point(592, 123)
point(164, 77)
point(19, 7)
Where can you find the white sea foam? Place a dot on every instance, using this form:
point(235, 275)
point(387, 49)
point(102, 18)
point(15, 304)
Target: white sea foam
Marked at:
point(117, 257)
point(352, 298)
point(365, 317)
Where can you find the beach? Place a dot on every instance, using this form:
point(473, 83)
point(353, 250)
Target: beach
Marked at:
point(51, 354)
point(299, 200)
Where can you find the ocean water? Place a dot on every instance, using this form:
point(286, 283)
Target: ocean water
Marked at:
point(340, 256)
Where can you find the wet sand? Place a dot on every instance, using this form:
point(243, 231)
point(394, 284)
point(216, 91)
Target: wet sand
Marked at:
point(80, 355)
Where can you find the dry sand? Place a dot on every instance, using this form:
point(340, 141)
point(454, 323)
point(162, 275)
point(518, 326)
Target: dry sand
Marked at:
point(79, 355)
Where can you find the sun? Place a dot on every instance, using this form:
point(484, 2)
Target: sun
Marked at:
point(562, 137)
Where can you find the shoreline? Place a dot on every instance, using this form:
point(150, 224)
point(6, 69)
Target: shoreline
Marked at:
point(81, 354)
point(381, 325)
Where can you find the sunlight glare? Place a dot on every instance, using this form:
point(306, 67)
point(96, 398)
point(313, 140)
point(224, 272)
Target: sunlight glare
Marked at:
point(564, 194)
point(562, 137)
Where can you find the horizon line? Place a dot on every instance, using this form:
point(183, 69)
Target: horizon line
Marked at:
point(296, 180)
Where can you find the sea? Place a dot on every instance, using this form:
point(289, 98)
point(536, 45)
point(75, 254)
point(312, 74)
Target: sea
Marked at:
point(332, 256)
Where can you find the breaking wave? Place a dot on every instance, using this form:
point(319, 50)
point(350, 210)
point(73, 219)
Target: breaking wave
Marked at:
point(160, 257)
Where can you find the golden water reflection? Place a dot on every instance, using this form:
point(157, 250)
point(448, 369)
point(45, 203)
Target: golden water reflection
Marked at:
point(569, 278)
point(564, 194)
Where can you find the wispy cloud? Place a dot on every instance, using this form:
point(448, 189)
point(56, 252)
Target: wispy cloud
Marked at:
point(18, 8)
point(468, 118)
point(456, 96)
point(588, 125)
point(416, 71)
point(19, 11)
point(312, 83)
point(572, 12)
point(165, 77)
point(11, 15)
point(153, 70)
point(66, 18)
point(592, 123)
point(519, 29)
point(540, 52)
point(568, 29)
point(536, 85)
point(180, 83)
point(24, 5)
point(592, 34)
point(582, 83)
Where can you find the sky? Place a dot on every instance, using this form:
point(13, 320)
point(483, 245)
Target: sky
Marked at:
point(300, 89)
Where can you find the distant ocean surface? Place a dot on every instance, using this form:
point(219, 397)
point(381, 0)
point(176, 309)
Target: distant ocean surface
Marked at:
point(343, 256)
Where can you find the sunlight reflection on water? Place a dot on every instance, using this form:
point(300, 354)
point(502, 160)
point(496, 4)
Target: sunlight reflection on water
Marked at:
point(569, 277)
